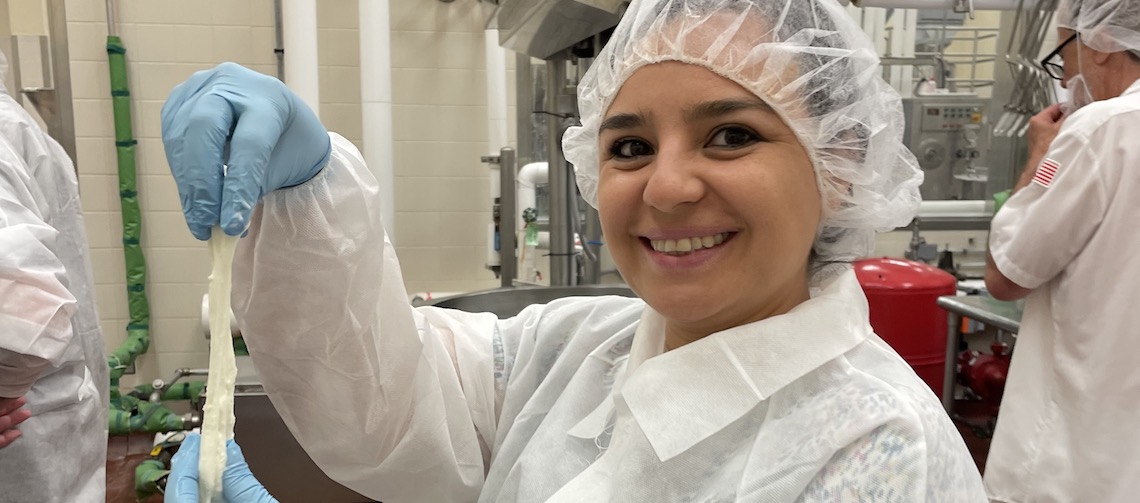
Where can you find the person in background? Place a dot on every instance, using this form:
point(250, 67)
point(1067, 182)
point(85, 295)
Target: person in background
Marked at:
point(740, 153)
point(53, 369)
point(1064, 240)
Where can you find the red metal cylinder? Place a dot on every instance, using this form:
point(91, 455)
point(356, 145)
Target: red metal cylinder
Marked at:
point(902, 297)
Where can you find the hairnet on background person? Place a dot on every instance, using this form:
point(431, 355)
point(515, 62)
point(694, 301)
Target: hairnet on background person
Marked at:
point(1104, 25)
point(1067, 14)
point(811, 63)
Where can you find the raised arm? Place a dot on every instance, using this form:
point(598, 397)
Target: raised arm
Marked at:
point(386, 402)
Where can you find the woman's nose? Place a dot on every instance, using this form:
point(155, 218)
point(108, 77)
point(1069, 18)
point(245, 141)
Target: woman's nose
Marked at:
point(673, 181)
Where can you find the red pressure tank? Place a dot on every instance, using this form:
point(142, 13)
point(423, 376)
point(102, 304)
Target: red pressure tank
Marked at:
point(902, 296)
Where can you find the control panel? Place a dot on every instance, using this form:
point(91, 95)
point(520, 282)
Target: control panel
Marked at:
point(950, 117)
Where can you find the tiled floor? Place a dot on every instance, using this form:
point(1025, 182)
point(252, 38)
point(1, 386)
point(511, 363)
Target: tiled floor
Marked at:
point(123, 455)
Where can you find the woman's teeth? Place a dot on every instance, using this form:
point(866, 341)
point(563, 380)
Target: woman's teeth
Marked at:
point(687, 245)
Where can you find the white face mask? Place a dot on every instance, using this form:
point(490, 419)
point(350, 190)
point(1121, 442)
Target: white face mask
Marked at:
point(1079, 93)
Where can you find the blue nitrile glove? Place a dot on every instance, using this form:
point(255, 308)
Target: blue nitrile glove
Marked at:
point(233, 115)
point(238, 483)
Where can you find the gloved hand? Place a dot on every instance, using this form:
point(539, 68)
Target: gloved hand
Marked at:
point(238, 483)
point(11, 414)
point(233, 115)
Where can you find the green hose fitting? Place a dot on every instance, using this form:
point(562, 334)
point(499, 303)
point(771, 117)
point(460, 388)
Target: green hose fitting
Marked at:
point(147, 475)
point(146, 417)
point(125, 403)
point(186, 390)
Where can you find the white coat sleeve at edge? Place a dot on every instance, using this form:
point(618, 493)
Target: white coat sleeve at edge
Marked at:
point(370, 389)
point(35, 305)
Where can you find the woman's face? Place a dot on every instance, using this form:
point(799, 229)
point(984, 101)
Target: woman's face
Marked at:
point(708, 201)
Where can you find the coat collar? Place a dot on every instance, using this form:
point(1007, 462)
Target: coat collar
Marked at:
point(686, 395)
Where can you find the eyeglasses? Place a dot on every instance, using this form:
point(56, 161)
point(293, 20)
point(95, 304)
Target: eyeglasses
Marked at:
point(1053, 64)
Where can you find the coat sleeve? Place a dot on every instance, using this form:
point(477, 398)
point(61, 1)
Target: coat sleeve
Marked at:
point(1046, 224)
point(35, 304)
point(905, 452)
point(395, 403)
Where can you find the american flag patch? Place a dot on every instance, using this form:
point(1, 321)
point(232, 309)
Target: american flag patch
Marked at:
point(1045, 172)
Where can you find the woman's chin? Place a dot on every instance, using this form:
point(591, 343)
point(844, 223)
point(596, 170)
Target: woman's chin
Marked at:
point(686, 310)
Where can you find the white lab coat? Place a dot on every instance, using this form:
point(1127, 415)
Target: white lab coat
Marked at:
point(1067, 430)
point(51, 348)
point(574, 400)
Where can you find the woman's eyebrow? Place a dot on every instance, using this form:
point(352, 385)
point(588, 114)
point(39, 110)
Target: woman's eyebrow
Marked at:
point(622, 121)
point(712, 109)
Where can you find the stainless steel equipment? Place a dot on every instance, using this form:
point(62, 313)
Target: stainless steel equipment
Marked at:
point(508, 302)
point(544, 28)
point(566, 34)
point(561, 186)
point(1006, 316)
point(950, 136)
point(275, 457)
point(1033, 89)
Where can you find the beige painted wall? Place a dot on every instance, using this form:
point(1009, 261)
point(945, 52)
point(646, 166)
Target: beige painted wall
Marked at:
point(438, 117)
point(25, 17)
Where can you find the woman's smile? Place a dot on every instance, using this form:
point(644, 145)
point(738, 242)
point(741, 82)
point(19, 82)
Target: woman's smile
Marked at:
point(687, 253)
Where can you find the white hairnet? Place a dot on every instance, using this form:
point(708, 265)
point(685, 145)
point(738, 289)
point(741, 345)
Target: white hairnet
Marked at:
point(1104, 25)
point(810, 62)
point(1067, 14)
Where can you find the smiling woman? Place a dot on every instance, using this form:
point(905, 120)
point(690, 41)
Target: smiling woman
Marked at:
point(741, 153)
point(704, 159)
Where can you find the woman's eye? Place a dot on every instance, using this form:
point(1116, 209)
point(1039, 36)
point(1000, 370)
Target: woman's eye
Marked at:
point(630, 148)
point(733, 137)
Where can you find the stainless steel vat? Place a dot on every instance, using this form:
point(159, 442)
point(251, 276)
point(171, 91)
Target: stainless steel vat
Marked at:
point(508, 302)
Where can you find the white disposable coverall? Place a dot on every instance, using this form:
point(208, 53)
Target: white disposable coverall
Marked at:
point(1067, 430)
point(574, 400)
point(51, 349)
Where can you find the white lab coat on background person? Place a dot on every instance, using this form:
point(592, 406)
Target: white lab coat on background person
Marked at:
point(51, 348)
point(575, 400)
point(1067, 429)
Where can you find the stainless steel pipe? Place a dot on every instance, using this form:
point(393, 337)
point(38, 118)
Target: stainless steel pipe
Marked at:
point(562, 268)
point(508, 217)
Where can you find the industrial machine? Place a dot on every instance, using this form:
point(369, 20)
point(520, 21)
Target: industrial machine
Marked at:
point(984, 374)
point(949, 134)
